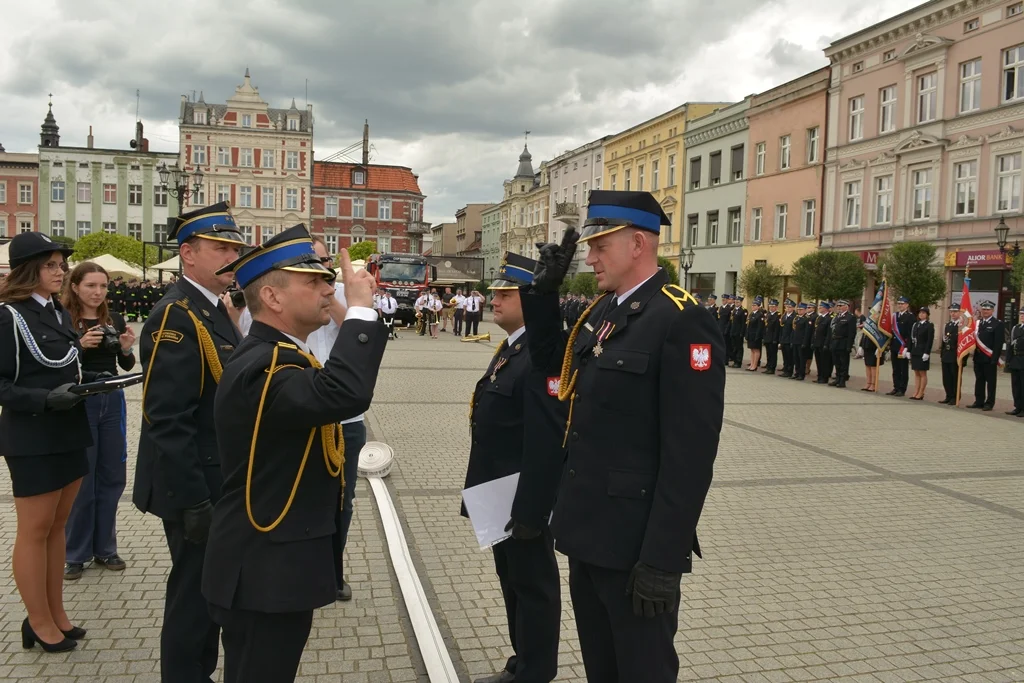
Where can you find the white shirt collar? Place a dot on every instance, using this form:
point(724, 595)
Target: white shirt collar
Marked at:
point(298, 342)
point(214, 299)
point(42, 302)
point(516, 335)
point(625, 295)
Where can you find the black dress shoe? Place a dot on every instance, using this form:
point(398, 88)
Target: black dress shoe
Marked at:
point(986, 408)
point(502, 677)
point(29, 638)
point(73, 571)
point(946, 401)
point(891, 393)
point(1015, 411)
point(74, 633)
point(975, 405)
point(345, 592)
point(113, 563)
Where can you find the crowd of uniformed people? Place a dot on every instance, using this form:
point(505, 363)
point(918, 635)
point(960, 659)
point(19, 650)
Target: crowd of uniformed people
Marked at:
point(134, 299)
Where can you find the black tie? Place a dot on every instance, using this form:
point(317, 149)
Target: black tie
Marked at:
point(224, 311)
point(52, 311)
point(501, 349)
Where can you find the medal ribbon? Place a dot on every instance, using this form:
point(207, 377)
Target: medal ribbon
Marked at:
point(606, 329)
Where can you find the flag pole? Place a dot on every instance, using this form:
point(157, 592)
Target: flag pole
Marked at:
point(959, 360)
point(881, 352)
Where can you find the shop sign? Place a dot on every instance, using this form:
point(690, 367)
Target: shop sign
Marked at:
point(985, 258)
point(870, 258)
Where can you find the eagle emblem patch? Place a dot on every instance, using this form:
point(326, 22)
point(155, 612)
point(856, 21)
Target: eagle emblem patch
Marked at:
point(700, 356)
point(553, 386)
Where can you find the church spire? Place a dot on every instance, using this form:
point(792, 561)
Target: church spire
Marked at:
point(525, 169)
point(49, 134)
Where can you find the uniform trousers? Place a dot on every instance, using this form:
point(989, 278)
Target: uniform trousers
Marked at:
point(354, 434)
point(459, 315)
point(1017, 384)
point(985, 380)
point(737, 350)
point(949, 375)
point(771, 350)
point(90, 531)
point(787, 359)
point(188, 639)
point(799, 361)
point(619, 647)
point(842, 362)
point(729, 350)
point(263, 647)
point(900, 374)
point(472, 322)
point(823, 362)
point(528, 573)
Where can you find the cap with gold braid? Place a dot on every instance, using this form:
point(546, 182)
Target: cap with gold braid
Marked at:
point(290, 250)
point(611, 210)
point(515, 270)
point(210, 222)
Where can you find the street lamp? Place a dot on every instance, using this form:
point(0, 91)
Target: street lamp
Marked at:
point(686, 261)
point(1002, 230)
point(178, 180)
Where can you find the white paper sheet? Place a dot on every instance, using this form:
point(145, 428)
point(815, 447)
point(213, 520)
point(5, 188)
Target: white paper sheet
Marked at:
point(490, 508)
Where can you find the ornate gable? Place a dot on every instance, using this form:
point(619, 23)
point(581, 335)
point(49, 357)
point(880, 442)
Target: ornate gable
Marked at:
point(918, 141)
point(923, 44)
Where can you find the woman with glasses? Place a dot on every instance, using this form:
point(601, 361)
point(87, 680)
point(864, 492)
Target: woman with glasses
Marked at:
point(44, 431)
point(107, 343)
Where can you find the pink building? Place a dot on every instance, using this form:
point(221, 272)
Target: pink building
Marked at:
point(925, 139)
point(19, 192)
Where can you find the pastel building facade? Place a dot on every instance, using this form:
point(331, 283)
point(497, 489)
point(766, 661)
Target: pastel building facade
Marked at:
point(19, 192)
point(572, 175)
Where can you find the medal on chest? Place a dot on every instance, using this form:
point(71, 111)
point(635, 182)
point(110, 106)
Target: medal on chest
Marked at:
point(498, 365)
point(602, 334)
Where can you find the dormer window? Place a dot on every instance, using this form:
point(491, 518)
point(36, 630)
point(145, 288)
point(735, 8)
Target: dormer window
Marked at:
point(199, 117)
point(293, 124)
point(246, 120)
point(358, 178)
point(858, 67)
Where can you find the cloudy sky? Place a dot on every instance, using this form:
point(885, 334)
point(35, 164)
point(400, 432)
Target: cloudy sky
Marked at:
point(447, 85)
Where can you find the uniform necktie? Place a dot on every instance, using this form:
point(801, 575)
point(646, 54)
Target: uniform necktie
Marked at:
point(224, 311)
point(497, 354)
point(53, 311)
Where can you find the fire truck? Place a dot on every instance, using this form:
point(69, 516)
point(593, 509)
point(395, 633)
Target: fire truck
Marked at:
point(406, 276)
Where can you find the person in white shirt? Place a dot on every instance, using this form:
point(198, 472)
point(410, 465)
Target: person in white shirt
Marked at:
point(388, 306)
point(460, 312)
point(421, 307)
point(474, 302)
point(435, 313)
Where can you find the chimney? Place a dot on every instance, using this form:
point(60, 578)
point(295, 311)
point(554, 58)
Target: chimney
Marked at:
point(145, 144)
point(366, 143)
point(88, 140)
point(138, 135)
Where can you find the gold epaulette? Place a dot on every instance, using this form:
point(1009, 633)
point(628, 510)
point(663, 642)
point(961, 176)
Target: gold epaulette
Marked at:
point(680, 297)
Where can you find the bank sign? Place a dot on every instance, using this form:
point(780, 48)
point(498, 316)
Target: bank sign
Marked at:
point(991, 258)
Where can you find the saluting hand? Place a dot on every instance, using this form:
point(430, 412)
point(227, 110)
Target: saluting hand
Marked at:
point(359, 284)
point(554, 263)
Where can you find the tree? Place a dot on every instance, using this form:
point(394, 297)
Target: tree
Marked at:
point(1017, 274)
point(827, 274)
point(909, 268)
point(128, 249)
point(584, 283)
point(362, 250)
point(670, 268)
point(563, 288)
point(65, 240)
point(760, 279)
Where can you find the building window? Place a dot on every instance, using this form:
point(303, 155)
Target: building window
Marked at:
point(199, 155)
point(110, 228)
point(56, 228)
point(84, 228)
point(628, 186)
point(159, 232)
point(715, 168)
point(614, 182)
point(331, 242)
point(671, 170)
point(971, 25)
point(245, 157)
point(199, 198)
point(574, 195)
point(291, 161)
point(784, 152)
point(759, 159)
point(668, 228)
point(358, 178)
point(414, 209)
point(56, 190)
point(887, 106)
point(735, 227)
point(1013, 74)
point(384, 209)
point(291, 199)
point(223, 156)
point(853, 204)
point(267, 198)
point(883, 200)
point(383, 244)
point(245, 196)
point(293, 124)
point(713, 228)
point(597, 183)
point(3, 193)
point(246, 120)
point(135, 195)
point(755, 225)
point(737, 162)
point(583, 191)
point(84, 193)
point(1008, 182)
point(597, 157)
point(654, 177)
point(858, 67)
point(331, 207)
point(781, 220)
point(159, 195)
point(24, 193)
point(359, 208)
point(223, 193)
point(267, 158)
point(927, 97)
point(970, 86)
point(639, 179)
point(694, 229)
point(135, 231)
point(199, 118)
point(246, 231)
point(812, 145)
point(889, 55)
point(922, 182)
point(810, 207)
point(966, 191)
point(109, 193)
point(266, 233)
point(694, 173)
point(1015, 9)
point(25, 226)
point(856, 117)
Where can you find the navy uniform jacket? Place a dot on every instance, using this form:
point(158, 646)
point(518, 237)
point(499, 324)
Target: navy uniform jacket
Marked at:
point(772, 328)
point(725, 319)
point(950, 339)
point(713, 310)
point(517, 425)
point(289, 568)
point(905, 324)
point(922, 338)
point(822, 337)
point(738, 326)
point(786, 325)
point(646, 420)
point(844, 331)
point(25, 426)
point(799, 330)
point(1015, 352)
point(755, 327)
point(812, 319)
point(991, 334)
point(178, 463)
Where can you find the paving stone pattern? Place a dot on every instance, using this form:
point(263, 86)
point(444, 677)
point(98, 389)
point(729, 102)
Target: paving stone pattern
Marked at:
point(848, 537)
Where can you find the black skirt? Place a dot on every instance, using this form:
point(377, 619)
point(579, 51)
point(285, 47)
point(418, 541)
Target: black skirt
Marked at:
point(918, 364)
point(33, 475)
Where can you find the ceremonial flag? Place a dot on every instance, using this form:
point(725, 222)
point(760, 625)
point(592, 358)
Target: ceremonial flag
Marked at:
point(878, 324)
point(968, 339)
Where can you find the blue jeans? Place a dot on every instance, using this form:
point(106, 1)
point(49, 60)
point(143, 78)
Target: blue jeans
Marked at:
point(90, 531)
point(354, 434)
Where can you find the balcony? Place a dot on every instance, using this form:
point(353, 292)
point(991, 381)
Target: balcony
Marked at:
point(567, 212)
point(417, 227)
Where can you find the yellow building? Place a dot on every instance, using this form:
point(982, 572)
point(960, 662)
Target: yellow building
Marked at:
point(651, 156)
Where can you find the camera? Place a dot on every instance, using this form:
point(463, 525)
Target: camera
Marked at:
point(237, 296)
point(111, 339)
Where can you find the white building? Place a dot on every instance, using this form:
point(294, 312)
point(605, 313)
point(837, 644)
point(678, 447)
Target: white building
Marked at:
point(572, 176)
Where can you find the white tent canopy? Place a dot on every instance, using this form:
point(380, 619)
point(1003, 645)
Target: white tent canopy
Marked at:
point(115, 267)
point(170, 264)
point(5, 264)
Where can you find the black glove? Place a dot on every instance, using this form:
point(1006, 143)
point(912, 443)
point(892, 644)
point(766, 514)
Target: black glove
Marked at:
point(62, 399)
point(654, 591)
point(96, 376)
point(554, 263)
point(197, 521)
point(521, 532)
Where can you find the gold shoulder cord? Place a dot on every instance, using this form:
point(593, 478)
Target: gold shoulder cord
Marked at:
point(682, 299)
point(332, 440)
point(472, 396)
point(567, 385)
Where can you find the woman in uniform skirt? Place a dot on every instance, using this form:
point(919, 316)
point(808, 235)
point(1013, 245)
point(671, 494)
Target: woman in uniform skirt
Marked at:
point(43, 431)
point(872, 360)
point(922, 338)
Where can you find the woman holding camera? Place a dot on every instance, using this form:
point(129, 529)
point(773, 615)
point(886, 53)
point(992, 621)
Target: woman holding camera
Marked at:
point(44, 431)
point(107, 343)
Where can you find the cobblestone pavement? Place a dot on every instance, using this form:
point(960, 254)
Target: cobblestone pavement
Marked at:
point(833, 552)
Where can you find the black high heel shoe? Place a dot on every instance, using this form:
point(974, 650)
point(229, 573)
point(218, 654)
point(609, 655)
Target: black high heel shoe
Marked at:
point(29, 638)
point(74, 633)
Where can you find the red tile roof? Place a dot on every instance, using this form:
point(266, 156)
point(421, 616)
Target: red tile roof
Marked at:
point(378, 177)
